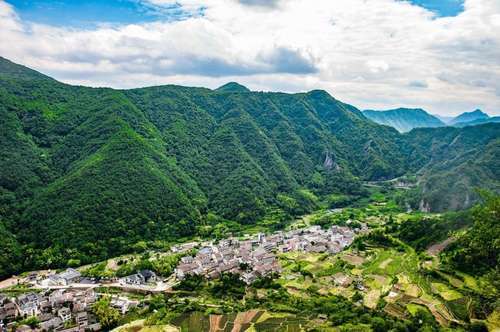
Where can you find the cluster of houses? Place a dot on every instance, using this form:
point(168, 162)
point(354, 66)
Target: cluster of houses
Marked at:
point(229, 256)
point(65, 310)
point(256, 257)
point(62, 306)
point(317, 240)
point(71, 276)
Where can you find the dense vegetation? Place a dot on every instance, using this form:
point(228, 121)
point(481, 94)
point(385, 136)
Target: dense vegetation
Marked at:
point(469, 245)
point(478, 250)
point(422, 231)
point(461, 160)
point(89, 173)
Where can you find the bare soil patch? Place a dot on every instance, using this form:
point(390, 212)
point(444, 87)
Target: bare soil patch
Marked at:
point(435, 249)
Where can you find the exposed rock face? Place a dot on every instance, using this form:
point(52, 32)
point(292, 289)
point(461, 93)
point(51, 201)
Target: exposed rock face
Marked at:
point(328, 164)
point(424, 206)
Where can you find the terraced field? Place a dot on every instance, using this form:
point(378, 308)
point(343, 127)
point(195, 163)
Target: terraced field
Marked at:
point(396, 276)
point(253, 320)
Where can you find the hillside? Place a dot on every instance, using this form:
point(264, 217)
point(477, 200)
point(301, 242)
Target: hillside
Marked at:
point(458, 162)
point(92, 172)
point(404, 119)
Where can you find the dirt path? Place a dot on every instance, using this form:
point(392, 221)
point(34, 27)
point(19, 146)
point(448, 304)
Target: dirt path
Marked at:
point(353, 259)
point(9, 282)
point(436, 249)
point(243, 319)
point(384, 264)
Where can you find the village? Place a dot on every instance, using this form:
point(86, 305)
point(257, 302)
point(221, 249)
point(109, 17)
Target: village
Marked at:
point(58, 310)
point(255, 257)
point(63, 301)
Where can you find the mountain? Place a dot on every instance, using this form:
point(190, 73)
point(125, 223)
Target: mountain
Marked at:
point(88, 173)
point(404, 119)
point(468, 117)
point(455, 163)
point(232, 87)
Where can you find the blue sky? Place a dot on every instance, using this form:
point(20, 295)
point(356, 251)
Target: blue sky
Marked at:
point(441, 7)
point(77, 13)
point(375, 54)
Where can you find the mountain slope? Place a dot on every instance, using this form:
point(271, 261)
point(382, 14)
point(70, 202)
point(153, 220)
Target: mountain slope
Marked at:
point(118, 167)
point(456, 162)
point(404, 119)
point(88, 173)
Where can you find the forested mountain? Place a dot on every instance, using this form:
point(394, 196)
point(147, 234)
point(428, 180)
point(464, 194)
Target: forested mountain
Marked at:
point(233, 87)
point(454, 162)
point(468, 117)
point(404, 119)
point(89, 172)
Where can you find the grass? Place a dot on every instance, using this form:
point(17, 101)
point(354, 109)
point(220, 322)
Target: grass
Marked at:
point(379, 282)
point(493, 321)
point(455, 282)
point(371, 298)
point(138, 326)
point(469, 281)
point(413, 309)
point(384, 262)
point(446, 292)
point(408, 287)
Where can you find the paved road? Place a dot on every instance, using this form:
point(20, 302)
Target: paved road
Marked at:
point(160, 287)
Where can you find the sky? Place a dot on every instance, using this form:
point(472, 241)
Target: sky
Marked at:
point(440, 55)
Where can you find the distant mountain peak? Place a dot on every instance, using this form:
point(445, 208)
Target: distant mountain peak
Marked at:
point(233, 87)
point(404, 119)
point(477, 112)
point(470, 116)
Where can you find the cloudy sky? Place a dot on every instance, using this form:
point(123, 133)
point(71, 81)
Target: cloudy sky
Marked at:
point(441, 55)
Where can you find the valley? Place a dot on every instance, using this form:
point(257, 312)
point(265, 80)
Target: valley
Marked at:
point(380, 273)
point(128, 168)
point(192, 209)
point(250, 166)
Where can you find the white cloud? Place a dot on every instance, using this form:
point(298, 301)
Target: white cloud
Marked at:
point(371, 53)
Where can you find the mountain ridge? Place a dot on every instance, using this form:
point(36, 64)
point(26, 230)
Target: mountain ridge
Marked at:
point(119, 167)
point(407, 119)
point(468, 117)
point(404, 119)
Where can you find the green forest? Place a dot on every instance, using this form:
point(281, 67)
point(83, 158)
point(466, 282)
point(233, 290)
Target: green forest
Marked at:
point(90, 173)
